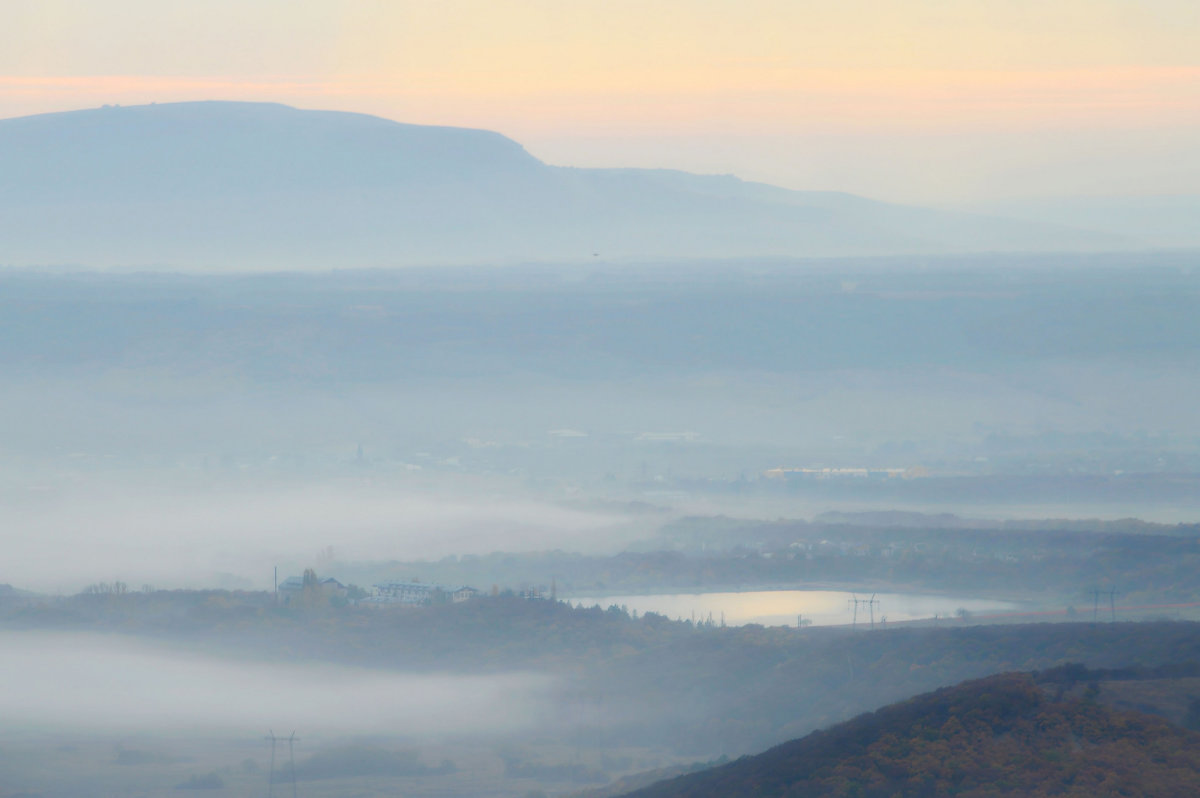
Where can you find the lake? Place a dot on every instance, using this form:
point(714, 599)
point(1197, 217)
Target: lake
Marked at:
point(782, 607)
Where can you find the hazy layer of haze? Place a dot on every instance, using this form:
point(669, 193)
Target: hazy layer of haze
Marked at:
point(680, 305)
point(185, 431)
point(200, 535)
point(80, 682)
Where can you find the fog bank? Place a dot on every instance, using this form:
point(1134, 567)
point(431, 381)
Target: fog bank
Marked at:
point(235, 536)
point(81, 682)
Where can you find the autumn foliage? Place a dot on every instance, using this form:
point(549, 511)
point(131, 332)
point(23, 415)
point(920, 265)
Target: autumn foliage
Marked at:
point(1000, 736)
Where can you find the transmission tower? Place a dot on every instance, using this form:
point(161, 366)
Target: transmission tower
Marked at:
point(870, 604)
point(292, 758)
point(291, 741)
point(271, 772)
point(1112, 605)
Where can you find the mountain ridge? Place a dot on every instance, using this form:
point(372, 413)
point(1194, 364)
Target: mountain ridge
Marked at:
point(226, 185)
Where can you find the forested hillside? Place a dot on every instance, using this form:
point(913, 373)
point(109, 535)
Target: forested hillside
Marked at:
point(1000, 736)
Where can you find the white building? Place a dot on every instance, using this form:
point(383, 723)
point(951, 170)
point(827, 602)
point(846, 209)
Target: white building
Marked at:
point(416, 594)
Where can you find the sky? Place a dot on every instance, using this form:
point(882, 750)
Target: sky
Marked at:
point(933, 101)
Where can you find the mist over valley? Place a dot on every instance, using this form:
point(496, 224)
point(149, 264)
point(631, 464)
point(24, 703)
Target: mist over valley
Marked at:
point(344, 456)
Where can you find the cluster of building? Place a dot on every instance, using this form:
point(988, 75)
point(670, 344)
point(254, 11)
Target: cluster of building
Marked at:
point(415, 594)
point(292, 588)
point(392, 594)
point(842, 473)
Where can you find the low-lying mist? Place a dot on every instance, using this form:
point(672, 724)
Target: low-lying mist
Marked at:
point(234, 536)
point(84, 683)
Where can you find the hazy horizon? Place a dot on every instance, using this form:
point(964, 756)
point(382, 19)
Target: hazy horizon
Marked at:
point(464, 398)
point(920, 102)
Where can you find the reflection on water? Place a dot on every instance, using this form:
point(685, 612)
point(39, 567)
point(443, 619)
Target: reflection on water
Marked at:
point(789, 607)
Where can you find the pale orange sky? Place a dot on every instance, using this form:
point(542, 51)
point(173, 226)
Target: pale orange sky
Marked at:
point(924, 100)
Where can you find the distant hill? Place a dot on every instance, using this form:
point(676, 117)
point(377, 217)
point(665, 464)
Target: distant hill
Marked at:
point(1000, 736)
point(221, 185)
point(1167, 221)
